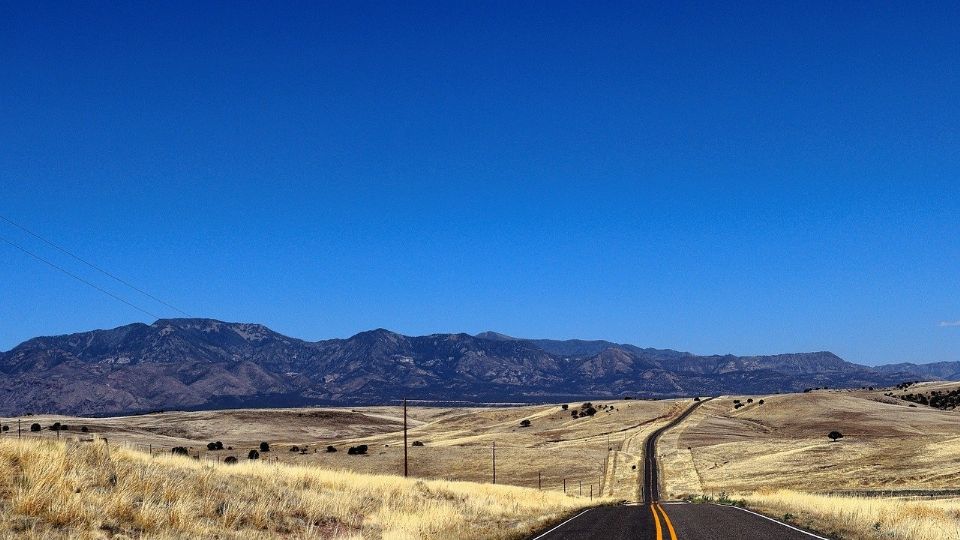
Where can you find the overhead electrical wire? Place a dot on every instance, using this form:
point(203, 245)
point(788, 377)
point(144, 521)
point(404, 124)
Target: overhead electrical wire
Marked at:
point(88, 263)
point(78, 278)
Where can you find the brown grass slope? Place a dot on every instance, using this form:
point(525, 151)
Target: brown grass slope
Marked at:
point(95, 490)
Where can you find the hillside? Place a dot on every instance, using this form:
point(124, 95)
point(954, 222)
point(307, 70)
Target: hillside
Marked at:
point(89, 490)
point(206, 364)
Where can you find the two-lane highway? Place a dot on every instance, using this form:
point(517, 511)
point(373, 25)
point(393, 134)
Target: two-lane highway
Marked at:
point(656, 520)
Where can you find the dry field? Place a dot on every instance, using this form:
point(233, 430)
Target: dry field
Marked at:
point(457, 442)
point(863, 518)
point(94, 490)
point(783, 444)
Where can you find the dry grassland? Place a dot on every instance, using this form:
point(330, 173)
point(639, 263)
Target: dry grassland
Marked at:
point(783, 444)
point(863, 518)
point(457, 442)
point(52, 489)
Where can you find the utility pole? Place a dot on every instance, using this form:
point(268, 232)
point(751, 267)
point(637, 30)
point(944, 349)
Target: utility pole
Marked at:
point(405, 470)
point(494, 462)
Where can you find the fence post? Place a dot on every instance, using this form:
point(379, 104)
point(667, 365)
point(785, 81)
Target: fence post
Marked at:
point(564, 486)
point(18, 428)
point(539, 481)
point(581, 487)
point(591, 492)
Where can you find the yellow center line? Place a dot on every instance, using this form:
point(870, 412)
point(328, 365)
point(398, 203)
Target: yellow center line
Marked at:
point(666, 519)
point(656, 522)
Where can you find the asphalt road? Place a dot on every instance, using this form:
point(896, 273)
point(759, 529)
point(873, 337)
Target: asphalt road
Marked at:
point(656, 520)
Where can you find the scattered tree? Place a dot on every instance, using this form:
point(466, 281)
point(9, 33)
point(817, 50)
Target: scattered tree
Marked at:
point(264, 447)
point(330, 448)
point(696, 398)
point(294, 448)
point(230, 460)
point(525, 423)
point(253, 455)
point(418, 443)
point(565, 406)
point(179, 451)
point(6, 428)
point(84, 429)
point(749, 400)
point(35, 427)
point(760, 402)
point(357, 450)
point(835, 435)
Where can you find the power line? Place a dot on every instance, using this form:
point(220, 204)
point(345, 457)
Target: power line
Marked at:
point(91, 265)
point(76, 277)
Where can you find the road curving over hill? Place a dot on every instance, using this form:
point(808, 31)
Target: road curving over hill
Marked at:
point(653, 519)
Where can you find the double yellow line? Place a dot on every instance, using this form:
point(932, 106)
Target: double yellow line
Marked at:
point(656, 521)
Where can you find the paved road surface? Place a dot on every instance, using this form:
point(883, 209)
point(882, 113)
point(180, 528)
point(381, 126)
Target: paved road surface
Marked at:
point(656, 520)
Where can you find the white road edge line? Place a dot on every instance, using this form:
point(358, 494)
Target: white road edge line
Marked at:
point(768, 518)
point(562, 524)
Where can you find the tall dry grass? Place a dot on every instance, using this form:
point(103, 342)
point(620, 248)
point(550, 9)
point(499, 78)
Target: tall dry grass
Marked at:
point(90, 490)
point(861, 518)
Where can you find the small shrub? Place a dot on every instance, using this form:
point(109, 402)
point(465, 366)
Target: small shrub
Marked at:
point(6, 428)
point(179, 451)
point(330, 448)
point(525, 423)
point(418, 443)
point(749, 400)
point(294, 448)
point(264, 447)
point(253, 455)
point(760, 402)
point(696, 398)
point(230, 460)
point(835, 435)
point(84, 429)
point(565, 406)
point(211, 446)
point(357, 450)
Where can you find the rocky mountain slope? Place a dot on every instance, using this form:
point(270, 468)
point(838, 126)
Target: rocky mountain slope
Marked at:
point(203, 363)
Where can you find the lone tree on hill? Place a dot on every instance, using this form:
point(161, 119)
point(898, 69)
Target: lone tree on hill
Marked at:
point(835, 435)
point(35, 427)
point(524, 423)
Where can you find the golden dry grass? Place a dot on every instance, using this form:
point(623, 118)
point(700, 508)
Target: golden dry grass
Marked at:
point(863, 518)
point(95, 490)
point(887, 445)
point(456, 441)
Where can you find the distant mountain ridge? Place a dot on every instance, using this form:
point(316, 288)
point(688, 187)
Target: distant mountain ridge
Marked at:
point(204, 363)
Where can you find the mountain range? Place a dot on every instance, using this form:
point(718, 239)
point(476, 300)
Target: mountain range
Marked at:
point(205, 364)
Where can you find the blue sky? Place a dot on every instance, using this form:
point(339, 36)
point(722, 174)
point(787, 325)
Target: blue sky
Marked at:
point(745, 179)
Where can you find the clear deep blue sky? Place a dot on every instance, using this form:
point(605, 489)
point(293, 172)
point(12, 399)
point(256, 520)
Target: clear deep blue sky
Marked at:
point(751, 179)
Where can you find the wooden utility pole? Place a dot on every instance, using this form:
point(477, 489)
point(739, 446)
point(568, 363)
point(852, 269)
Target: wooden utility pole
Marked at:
point(405, 469)
point(494, 462)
